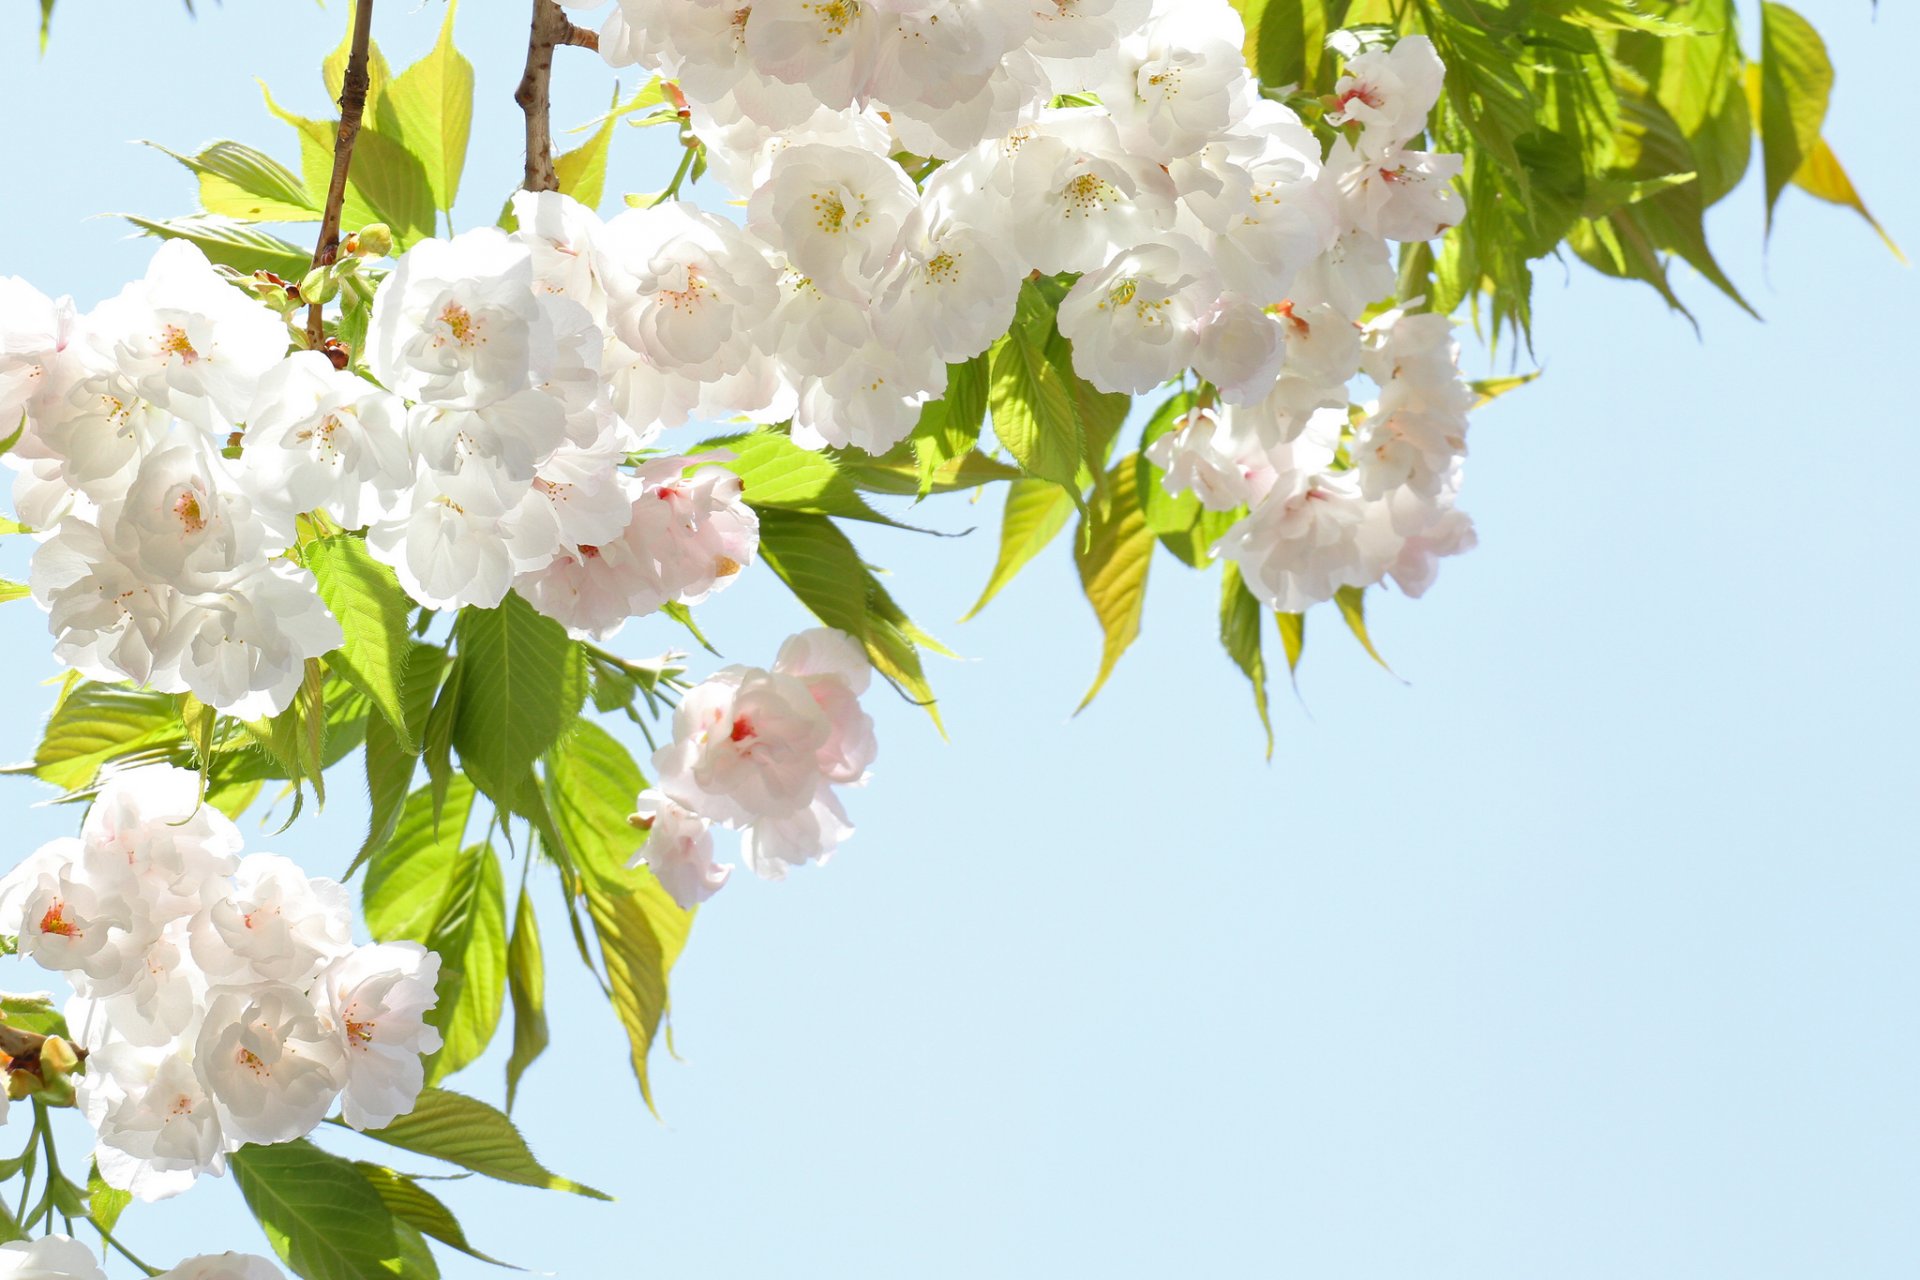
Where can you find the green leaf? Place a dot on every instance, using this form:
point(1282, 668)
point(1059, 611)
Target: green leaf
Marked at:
point(387, 183)
point(1796, 80)
point(1113, 553)
point(229, 243)
point(420, 1209)
point(521, 682)
point(1286, 41)
point(37, 1014)
point(1240, 633)
point(466, 1132)
point(105, 1204)
point(899, 471)
point(333, 72)
point(776, 472)
point(470, 937)
point(1032, 403)
point(527, 985)
point(95, 723)
point(431, 105)
point(1035, 513)
point(1353, 609)
point(375, 617)
point(1822, 177)
point(1293, 638)
point(819, 564)
point(592, 781)
point(406, 879)
point(239, 182)
point(1487, 390)
point(949, 428)
point(1618, 15)
point(390, 765)
point(321, 1216)
point(11, 590)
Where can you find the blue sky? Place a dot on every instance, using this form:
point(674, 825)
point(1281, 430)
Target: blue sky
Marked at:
point(1587, 951)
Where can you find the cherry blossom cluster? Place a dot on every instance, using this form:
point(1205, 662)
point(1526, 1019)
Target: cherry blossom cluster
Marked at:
point(170, 443)
point(58, 1257)
point(761, 752)
point(905, 166)
point(220, 997)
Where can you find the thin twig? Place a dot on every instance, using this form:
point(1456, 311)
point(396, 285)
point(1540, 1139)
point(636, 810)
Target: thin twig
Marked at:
point(551, 27)
point(353, 101)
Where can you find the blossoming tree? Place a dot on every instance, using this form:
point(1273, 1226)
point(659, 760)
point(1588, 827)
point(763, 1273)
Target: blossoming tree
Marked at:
point(1181, 274)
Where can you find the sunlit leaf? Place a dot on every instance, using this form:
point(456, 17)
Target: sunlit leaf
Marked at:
point(467, 1132)
point(431, 105)
point(1036, 511)
point(1113, 555)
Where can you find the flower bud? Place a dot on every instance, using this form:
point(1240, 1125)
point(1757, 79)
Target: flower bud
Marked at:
point(318, 286)
point(57, 1057)
point(375, 240)
point(21, 1085)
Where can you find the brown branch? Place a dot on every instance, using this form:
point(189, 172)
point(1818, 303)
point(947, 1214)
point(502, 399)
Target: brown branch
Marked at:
point(353, 102)
point(551, 28)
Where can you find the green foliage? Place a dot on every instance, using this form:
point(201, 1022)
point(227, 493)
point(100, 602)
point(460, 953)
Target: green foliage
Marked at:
point(518, 681)
point(374, 615)
point(1055, 425)
point(469, 935)
point(1035, 513)
point(466, 1132)
point(1113, 553)
point(420, 1209)
point(527, 985)
point(1240, 625)
point(323, 1217)
point(591, 783)
point(428, 108)
point(814, 558)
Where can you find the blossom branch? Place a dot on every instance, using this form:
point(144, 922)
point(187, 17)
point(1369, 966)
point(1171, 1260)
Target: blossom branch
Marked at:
point(551, 28)
point(353, 102)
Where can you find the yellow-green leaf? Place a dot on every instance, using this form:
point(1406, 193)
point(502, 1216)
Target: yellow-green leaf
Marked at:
point(1353, 608)
point(1293, 638)
point(1821, 176)
point(527, 986)
point(1036, 511)
point(1795, 82)
point(1113, 553)
point(431, 105)
point(1240, 634)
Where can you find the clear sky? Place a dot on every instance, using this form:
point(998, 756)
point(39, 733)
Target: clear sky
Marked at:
point(1588, 952)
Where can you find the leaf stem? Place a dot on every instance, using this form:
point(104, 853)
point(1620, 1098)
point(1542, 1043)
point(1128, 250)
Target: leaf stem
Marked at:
point(551, 28)
point(353, 102)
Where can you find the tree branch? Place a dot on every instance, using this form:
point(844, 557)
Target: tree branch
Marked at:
point(551, 28)
point(353, 102)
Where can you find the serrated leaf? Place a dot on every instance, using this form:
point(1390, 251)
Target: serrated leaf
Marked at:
point(1795, 82)
point(375, 617)
point(1036, 511)
point(1113, 554)
point(522, 681)
point(321, 1216)
point(467, 1132)
point(389, 764)
point(820, 565)
point(1032, 403)
point(1619, 15)
point(333, 71)
point(776, 472)
point(1293, 639)
point(95, 723)
point(592, 781)
point(229, 243)
point(1822, 177)
point(527, 986)
point(1240, 625)
point(406, 879)
point(386, 183)
point(469, 935)
point(105, 1203)
point(419, 1208)
point(1353, 609)
point(239, 182)
point(431, 106)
